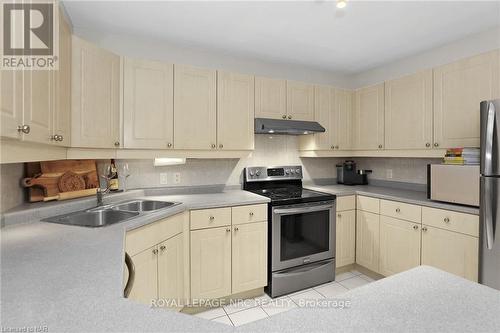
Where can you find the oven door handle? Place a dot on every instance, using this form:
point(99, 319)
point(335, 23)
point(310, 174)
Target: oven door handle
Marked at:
point(288, 211)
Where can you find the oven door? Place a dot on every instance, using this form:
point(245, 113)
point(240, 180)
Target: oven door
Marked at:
point(302, 234)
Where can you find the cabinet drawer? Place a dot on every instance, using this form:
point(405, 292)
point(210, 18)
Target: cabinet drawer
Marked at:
point(142, 238)
point(250, 213)
point(209, 218)
point(401, 210)
point(346, 203)
point(368, 204)
point(445, 219)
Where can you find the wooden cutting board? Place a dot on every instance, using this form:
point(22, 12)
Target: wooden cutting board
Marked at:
point(45, 179)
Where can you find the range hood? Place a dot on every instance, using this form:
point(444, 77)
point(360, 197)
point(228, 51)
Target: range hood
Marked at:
point(290, 127)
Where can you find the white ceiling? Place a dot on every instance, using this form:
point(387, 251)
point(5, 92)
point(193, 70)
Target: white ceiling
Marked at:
point(362, 36)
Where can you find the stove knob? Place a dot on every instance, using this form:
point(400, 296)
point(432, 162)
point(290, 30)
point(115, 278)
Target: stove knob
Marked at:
point(297, 171)
point(257, 173)
point(287, 171)
point(251, 173)
point(292, 171)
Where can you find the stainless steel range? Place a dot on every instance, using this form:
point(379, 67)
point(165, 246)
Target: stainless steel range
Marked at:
point(301, 232)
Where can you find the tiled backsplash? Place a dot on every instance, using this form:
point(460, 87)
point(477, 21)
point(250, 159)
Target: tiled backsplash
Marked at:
point(269, 151)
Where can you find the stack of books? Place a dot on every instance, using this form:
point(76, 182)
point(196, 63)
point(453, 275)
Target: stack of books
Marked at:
point(462, 156)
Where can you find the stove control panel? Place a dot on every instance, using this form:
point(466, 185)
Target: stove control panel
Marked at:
point(253, 174)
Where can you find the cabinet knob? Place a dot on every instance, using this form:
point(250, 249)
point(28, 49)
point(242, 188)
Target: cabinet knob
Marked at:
point(398, 210)
point(337, 147)
point(424, 228)
point(169, 145)
point(436, 144)
point(339, 215)
point(228, 229)
point(213, 145)
point(53, 138)
point(155, 251)
point(427, 144)
point(415, 227)
point(221, 145)
point(117, 143)
point(60, 138)
point(236, 229)
point(447, 220)
point(163, 247)
point(24, 129)
point(251, 213)
point(289, 117)
point(283, 116)
point(211, 218)
point(380, 146)
point(332, 147)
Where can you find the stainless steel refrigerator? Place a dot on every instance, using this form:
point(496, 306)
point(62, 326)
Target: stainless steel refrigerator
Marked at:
point(489, 239)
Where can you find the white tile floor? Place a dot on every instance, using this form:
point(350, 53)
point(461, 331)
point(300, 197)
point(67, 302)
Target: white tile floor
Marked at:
point(262, 307)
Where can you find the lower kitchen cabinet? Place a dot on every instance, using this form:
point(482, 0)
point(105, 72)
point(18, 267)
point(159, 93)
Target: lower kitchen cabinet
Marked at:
point(345, 247)
point(211, 263)
point(171, 269)
point(399, 245)
point(367, 240)
point(450, 251)
point(249, 256)
point(145, 287)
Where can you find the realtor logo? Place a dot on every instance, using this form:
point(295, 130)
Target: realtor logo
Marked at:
point(30, 35)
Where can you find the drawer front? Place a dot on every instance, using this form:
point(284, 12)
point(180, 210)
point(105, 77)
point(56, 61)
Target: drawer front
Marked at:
point(368, 204)
point(464, 223)
point(250, 213)
point(209, 218)
point(402, 211)
point(346, 203)
point(142, 238)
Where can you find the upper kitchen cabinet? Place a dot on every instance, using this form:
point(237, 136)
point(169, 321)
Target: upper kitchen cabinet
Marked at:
point(61, 126)
point(148, 104)
point(235, 111)
point(270, 98)
point(195, 112)
point(459, 87)
point(408, 112)
point(95, 90)
point(11, 103)
point(343, 119)
point(368, 118)
point(299, 100)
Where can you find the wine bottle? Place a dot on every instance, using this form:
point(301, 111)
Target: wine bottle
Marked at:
point(113, 177)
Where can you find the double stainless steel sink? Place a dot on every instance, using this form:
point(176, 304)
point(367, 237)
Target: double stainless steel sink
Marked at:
point(110, 214)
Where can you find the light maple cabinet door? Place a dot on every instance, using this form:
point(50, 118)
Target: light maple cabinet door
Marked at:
point(11, 103)
point(235, 111)
point(345, 238)
point(38, 105)
point(450, 251)
point(145, 287)
point(343, 119)
point(270, 98)
point(399, 245)
point(408, 112)
point(95, 87)
point(459, 87)
point(148, 104)
point(211, 263)
point(299, 100)
point(367, 240)
point(249, 256)
point(368, 118)
point(61, 125)
point(324, 113)
point(171, 271)
point(195, 113)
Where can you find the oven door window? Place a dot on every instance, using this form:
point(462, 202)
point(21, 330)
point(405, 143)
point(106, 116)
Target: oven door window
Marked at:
point(304, 234)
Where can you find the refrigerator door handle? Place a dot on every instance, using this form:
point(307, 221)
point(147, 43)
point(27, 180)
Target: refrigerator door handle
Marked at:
point(488, 214)
point(488, 143)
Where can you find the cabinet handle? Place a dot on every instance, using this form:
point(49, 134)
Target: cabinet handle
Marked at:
point(211, 218)
point(424, 228)
point(117, 143)
point(289, 117)
point(427, 144)
point(336, 147)
point(446, 220)
point(380, 146)
point(284, 116)
point(221, 145)
point(398, 210)
point(415, 227)
point(236, 229)
point(251, 213)
point(436, 144)
point(228, 229)
point(53, 138)
point(339, 215)
point(24, 129)
point(60, 138)
point(163, 247)
point(332, 147)
point(169, 145)
point(155, 251)
point(213, 145)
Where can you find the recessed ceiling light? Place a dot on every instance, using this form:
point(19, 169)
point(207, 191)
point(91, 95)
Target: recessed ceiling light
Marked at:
point(341, 3)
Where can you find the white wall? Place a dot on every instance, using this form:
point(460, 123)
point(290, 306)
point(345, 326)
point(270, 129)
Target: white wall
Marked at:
point(140, 47)
point(475, 44)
